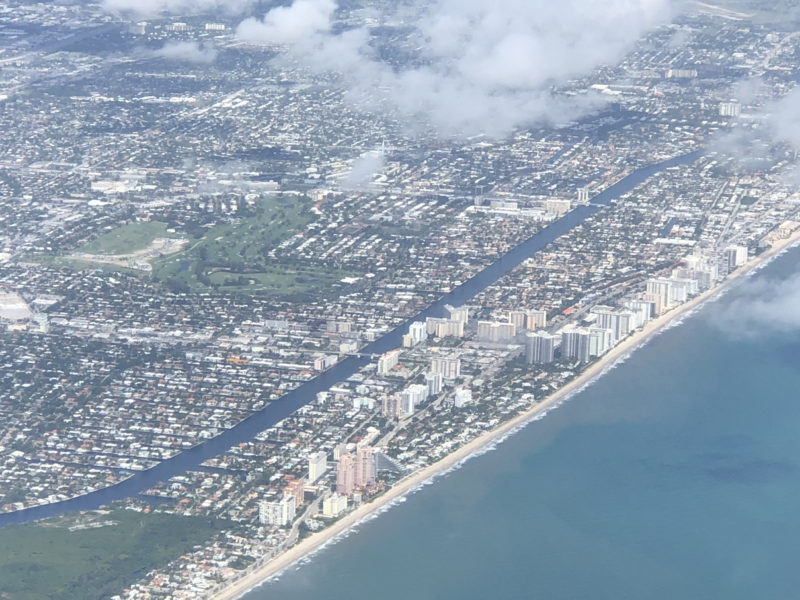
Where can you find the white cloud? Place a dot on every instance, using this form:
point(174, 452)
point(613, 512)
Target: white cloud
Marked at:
point(288, 24)
point(763, 306)
point(783, 119)
point(749, 90)
point(483, 65)
point(153, 8)
point(193, 52)
point(364, 170)
point(755, 142)
point(517, 44)
point(745, 144)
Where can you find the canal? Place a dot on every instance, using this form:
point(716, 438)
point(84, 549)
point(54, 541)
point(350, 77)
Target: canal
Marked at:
point(280, 409)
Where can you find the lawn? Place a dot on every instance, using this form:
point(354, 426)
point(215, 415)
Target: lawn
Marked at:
point(128, 238)
point(235, 257)
point(287, 280)
point(47, 560)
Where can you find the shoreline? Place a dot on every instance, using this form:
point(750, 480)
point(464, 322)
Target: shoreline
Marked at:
point(239, 587)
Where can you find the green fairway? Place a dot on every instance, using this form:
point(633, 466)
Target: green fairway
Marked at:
point(128, 238)
point(55, 560)
point(234, 257)
point(237, 257)
point(284, 281)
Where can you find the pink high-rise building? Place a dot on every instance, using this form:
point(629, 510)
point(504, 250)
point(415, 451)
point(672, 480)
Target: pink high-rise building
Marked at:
point(365, 467)
point(356, 470)
point(346, 474)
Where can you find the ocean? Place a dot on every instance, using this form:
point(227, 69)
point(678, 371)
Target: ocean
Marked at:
point(675, 475)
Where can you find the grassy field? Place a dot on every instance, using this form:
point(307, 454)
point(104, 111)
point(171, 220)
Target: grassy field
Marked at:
point(64, 261)
point(48, 560)
point(229, 258)
point(128, 238)
point(287, 280)
point(236, 257)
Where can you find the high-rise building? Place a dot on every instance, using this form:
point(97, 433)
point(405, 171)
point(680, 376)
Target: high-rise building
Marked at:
point(600, 340)
point(418, 332)
point(404, 403)
point(619, 322)
point(279, 514)
point(296, 488)
point(449, 367)
point(730, 109)
point(656, 302)
point(317, 465)
point(642, 312)
point(491, 331)
point(346, 474)
point(698, 262)
point(324, 362)
point(682, 289)
point(680, 73)
point(537, 319)
point(434, 381)
point(334, 326)
point(557, 206)
point(660, 288)
point(539, 347)
point(365, 467)
point(517, 318)
point(334, 505)
point(412, 397)
point(575, 343)
point(697, 267)
point(392, 406)
point(338, 450)
point(459, 313)
point(444, 327)
point(388, 361)
point(348, 347)
point(360, 402)
point(356, 470)
point(735, 256)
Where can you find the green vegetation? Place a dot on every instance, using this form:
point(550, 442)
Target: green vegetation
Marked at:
point(127, 239)
point(92, 556)
point(236, 257)
point(74, 263)
point(285, 281)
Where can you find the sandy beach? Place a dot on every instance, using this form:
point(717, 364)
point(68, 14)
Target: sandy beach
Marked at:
point(241, 586)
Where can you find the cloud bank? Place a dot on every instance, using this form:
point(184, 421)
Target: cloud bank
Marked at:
point(289, 24)
point(763, 307)
point(192, 52)
point(153, 8)
point(783, 119)
point(756, 143)
point(480, 65)
point(363, 171)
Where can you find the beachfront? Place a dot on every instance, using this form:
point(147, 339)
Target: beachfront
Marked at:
point(241, 586)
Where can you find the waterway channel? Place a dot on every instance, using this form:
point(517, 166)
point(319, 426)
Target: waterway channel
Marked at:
point(247, 429)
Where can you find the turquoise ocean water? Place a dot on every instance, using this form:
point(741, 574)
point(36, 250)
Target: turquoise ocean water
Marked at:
point(676, 475)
